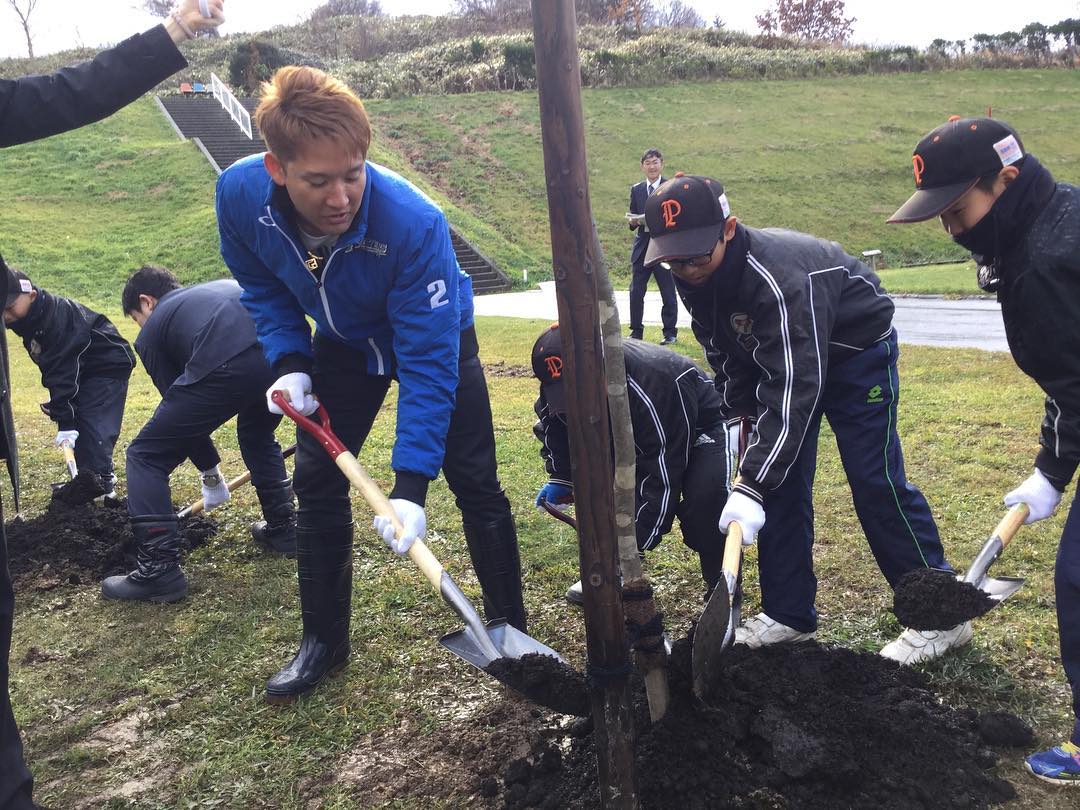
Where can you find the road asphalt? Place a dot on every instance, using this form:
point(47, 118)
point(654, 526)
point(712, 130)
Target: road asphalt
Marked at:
point(923, 321)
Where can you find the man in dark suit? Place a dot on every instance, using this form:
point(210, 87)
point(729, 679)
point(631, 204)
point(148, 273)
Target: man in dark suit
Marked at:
point(652, 163)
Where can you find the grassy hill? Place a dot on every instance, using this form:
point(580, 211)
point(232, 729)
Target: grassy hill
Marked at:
point(828, 156)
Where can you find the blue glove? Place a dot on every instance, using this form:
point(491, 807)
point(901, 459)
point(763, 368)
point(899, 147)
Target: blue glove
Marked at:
point(558, 495)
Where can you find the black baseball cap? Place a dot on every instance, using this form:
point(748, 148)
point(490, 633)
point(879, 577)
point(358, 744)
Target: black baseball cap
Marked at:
point(17, 284)
point(951, 159)
point(547, 365)
point(686, 217)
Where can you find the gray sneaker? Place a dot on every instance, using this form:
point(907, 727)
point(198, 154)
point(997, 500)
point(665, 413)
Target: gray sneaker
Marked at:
point(574, 594)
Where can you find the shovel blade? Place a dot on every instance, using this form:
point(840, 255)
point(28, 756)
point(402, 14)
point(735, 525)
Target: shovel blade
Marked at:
point(508, 640)
point(713, 634)
point(1001, 588)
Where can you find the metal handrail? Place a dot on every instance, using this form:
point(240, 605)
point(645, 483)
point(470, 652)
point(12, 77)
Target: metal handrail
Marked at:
point(231, 104)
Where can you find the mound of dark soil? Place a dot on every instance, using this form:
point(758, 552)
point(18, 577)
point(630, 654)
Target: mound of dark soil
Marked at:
point(77, 543)
point(928, 599)
point(83, 488)
point(800, 726)
point(544, 680)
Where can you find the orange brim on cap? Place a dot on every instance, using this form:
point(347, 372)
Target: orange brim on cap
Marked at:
point(927, 203)
point(683, 244)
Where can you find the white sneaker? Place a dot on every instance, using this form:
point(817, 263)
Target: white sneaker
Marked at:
point(760, 631)
point(915, 646)
point(574, 594)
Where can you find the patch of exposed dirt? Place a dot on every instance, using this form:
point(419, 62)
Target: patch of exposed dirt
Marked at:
point(801, 726)
point(928, 599)
point(80, 543)
point(500, 368)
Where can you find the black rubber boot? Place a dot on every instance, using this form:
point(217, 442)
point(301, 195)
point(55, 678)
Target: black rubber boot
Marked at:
point(495, 558)
point(157, 577)
point(324, 565)
point(277, 532)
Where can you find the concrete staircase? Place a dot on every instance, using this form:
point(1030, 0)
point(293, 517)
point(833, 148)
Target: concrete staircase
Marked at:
point(203, 120)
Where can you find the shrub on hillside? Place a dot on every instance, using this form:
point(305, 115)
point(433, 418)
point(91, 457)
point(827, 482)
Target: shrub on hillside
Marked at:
point(254, 62)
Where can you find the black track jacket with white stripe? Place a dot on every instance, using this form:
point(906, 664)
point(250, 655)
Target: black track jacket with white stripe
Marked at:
point(70, 342)
point(672, 402)
point(780, 308)
point(1040, 305)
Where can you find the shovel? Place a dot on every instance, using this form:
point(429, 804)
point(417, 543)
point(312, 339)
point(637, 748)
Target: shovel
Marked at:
point(997, 588)
point(479, 644)
point(69, 460)
point(197, 507)
point(716, 628)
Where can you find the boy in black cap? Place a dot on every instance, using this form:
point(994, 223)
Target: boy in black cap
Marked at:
point(198, 345)
point(796, 329)
point(681, 444)
point(84, 363)
point(1023, 230)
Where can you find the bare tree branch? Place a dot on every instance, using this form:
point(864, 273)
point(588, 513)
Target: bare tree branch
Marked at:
point(24, 18)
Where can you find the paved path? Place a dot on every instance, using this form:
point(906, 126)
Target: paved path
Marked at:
point(968, 323)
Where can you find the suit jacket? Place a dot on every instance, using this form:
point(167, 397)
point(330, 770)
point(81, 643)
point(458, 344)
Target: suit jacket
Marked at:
point(638, 195)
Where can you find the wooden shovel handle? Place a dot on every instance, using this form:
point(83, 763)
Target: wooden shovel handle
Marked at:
point(199, 505)
point(69, 452)
point(1009, 524)
point(733, 547)
point(419, 553)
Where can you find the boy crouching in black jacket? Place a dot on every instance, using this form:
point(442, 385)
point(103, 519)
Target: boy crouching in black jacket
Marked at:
point(84, 363)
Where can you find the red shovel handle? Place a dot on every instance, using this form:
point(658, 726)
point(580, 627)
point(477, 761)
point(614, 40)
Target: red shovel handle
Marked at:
point(558, 514)
point(320, 430)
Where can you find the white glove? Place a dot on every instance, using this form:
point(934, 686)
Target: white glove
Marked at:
point(747, 513)
point(297, 388)
point(67, 437)
point(413, 522)
point(1039, 494)
point(214, 490)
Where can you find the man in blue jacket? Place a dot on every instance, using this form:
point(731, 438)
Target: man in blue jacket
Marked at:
point(312, 229)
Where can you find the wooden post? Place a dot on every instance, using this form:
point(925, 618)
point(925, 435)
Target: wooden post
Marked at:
point(575, 257)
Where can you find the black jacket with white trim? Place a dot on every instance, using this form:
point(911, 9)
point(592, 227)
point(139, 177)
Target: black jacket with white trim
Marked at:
point(672, 403)
point(780, 308)
point(69, 343)
point(1039, 292)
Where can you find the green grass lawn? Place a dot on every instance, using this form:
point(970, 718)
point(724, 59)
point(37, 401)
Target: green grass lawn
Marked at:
point(160, 706)
point(952, 280)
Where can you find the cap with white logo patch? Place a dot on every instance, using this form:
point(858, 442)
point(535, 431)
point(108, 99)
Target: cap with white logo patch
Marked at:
point(952, 158)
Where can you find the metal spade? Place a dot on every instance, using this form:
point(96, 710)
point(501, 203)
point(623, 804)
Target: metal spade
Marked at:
point(997, 588)
point(478, 643)
point(715, 630)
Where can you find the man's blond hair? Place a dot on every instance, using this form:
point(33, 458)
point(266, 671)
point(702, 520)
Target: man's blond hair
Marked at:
point(300, 105)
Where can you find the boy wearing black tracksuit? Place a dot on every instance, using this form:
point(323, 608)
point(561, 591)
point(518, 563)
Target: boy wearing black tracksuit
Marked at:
point(680, 440)
point(198, 345)
point(796, 329)
point(1023, 230)
point(84, 363)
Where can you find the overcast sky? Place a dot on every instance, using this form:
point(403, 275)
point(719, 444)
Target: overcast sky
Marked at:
point(60, 24)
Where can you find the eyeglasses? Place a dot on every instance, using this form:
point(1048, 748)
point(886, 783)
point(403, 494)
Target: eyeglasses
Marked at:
point(696, 261)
